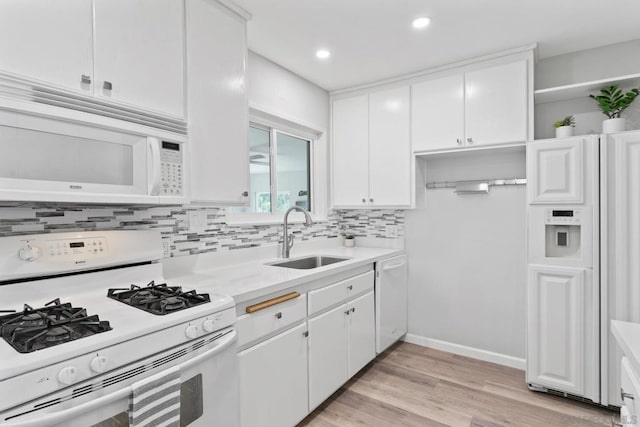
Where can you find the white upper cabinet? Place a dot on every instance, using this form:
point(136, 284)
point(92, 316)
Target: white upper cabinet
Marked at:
point(217, 103)
point(139, 53)
point(437, 111)
point(47, 40)
point(390, 148)
point(496, 104)
point(351, 151)
point(128, 53)
point(486, 106)
point(371, 149)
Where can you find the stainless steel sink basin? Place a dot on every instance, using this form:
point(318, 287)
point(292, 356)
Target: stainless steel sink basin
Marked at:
point(309, 262)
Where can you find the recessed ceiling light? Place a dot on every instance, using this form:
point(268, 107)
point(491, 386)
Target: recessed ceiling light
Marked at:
point(420, 23)
point(323, 54)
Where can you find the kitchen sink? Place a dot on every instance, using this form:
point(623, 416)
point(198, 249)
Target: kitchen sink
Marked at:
point(309, 262)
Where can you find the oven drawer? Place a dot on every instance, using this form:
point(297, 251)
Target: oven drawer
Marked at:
point(338, 292)
point(253, 326)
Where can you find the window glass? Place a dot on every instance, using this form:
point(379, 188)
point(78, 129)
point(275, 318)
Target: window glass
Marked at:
point(293, 172)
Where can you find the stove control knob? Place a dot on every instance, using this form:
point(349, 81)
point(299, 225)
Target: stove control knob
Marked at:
point(68, 375)
point(99, 364)
point(191, 331)
point(209, 325)
point(29, 253)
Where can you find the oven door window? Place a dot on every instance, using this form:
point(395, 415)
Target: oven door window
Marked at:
point(191, 408)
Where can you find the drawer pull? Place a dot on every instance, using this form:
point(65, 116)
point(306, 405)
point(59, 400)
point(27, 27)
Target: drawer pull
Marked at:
point(279, 315)
point(274, 301)
point(350, 287)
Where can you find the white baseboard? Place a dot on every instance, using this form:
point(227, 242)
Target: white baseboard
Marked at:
point(463, 350)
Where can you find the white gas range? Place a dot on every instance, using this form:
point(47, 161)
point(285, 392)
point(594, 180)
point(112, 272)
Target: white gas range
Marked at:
point(95, 322)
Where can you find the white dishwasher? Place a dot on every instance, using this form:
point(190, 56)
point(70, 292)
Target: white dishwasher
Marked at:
point(391, 301)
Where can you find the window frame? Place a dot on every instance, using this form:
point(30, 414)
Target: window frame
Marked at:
point(316, 145)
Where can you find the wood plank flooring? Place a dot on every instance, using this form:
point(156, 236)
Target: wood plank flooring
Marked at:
point(409, 385)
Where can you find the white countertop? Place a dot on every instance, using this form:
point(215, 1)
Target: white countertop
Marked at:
point(245, 274)
point(628, 337)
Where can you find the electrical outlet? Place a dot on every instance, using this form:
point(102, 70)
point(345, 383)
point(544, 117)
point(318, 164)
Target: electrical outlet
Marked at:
point(166, 248)
point(392, 231)
point(197, 221)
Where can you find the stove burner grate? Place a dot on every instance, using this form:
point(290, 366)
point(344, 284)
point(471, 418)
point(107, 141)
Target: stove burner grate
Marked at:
point(158, 299)
point(55, 323)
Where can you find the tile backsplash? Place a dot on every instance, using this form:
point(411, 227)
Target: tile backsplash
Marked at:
point(172, 222)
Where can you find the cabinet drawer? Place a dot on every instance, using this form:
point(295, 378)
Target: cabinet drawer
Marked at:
point(341, 291)
point(253, 326)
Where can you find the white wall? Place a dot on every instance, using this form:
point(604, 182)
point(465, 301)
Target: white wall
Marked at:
point(467, 256)
point(278, 92)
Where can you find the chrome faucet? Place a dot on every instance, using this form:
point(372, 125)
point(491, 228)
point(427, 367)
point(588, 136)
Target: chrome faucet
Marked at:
point(287, 241)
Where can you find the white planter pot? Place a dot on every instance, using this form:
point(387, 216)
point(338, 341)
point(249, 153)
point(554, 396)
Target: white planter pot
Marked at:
point(564, 131)
point(614, 125)
point(349, 243)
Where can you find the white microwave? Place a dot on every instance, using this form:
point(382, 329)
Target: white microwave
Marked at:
point(51, 160)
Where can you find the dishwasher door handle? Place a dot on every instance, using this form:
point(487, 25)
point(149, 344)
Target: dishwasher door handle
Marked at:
point(393, 266)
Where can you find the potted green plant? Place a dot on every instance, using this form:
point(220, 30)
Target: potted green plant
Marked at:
point(564, 127)
point(612, 102)
point(349, 240)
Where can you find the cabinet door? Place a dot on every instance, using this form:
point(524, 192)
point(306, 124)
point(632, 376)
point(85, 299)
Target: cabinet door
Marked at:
point(350, 151)
point(47, 40)
point(562, 351)
point(496, 104)
point(218, 110)
point(327, 354)
point(273, 381)
point(437, 114)
point(139, 50)
point(362, 332)
point(390, 148)
point(556, 171)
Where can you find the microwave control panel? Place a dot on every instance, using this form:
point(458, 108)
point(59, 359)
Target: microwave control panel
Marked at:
point(74, 248)
point(171, 161)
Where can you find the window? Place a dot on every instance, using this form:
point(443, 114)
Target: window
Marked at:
point(279, 171)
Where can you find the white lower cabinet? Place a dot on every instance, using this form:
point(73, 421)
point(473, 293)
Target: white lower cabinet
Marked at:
point(328, 358)
point(341, 342)
point(273, 380)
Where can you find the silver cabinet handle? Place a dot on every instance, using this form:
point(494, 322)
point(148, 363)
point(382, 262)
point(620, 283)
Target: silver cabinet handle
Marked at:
point(245, 194)
point(624, 395)
point(371, 200)
point(347, 312)
point(85, 79)
point(353, 309)
point(350, 287)
point(107, 85)
point(614, 423)
point(459, 141)
point(305, 334)
point(364, 200)
point(470, 141)
point(279, 315)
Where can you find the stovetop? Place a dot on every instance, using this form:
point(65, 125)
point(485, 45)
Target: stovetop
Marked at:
point(55, 323)
point(158, 299)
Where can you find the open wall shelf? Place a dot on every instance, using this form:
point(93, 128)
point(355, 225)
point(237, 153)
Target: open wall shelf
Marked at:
point(582, 90)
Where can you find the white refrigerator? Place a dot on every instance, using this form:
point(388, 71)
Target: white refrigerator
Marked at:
point(584, 261)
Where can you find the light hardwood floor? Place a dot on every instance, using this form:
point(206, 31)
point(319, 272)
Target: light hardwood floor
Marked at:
point(409, 385)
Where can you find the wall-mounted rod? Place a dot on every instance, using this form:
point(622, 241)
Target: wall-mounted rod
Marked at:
point(476, 186)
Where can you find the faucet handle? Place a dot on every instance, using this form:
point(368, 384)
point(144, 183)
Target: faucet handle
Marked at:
point(290, 241)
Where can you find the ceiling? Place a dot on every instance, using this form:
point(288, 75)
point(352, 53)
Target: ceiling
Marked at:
point(372, 40)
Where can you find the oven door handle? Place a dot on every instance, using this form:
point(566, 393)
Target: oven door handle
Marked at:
point(224, 342)
point(53, 418)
